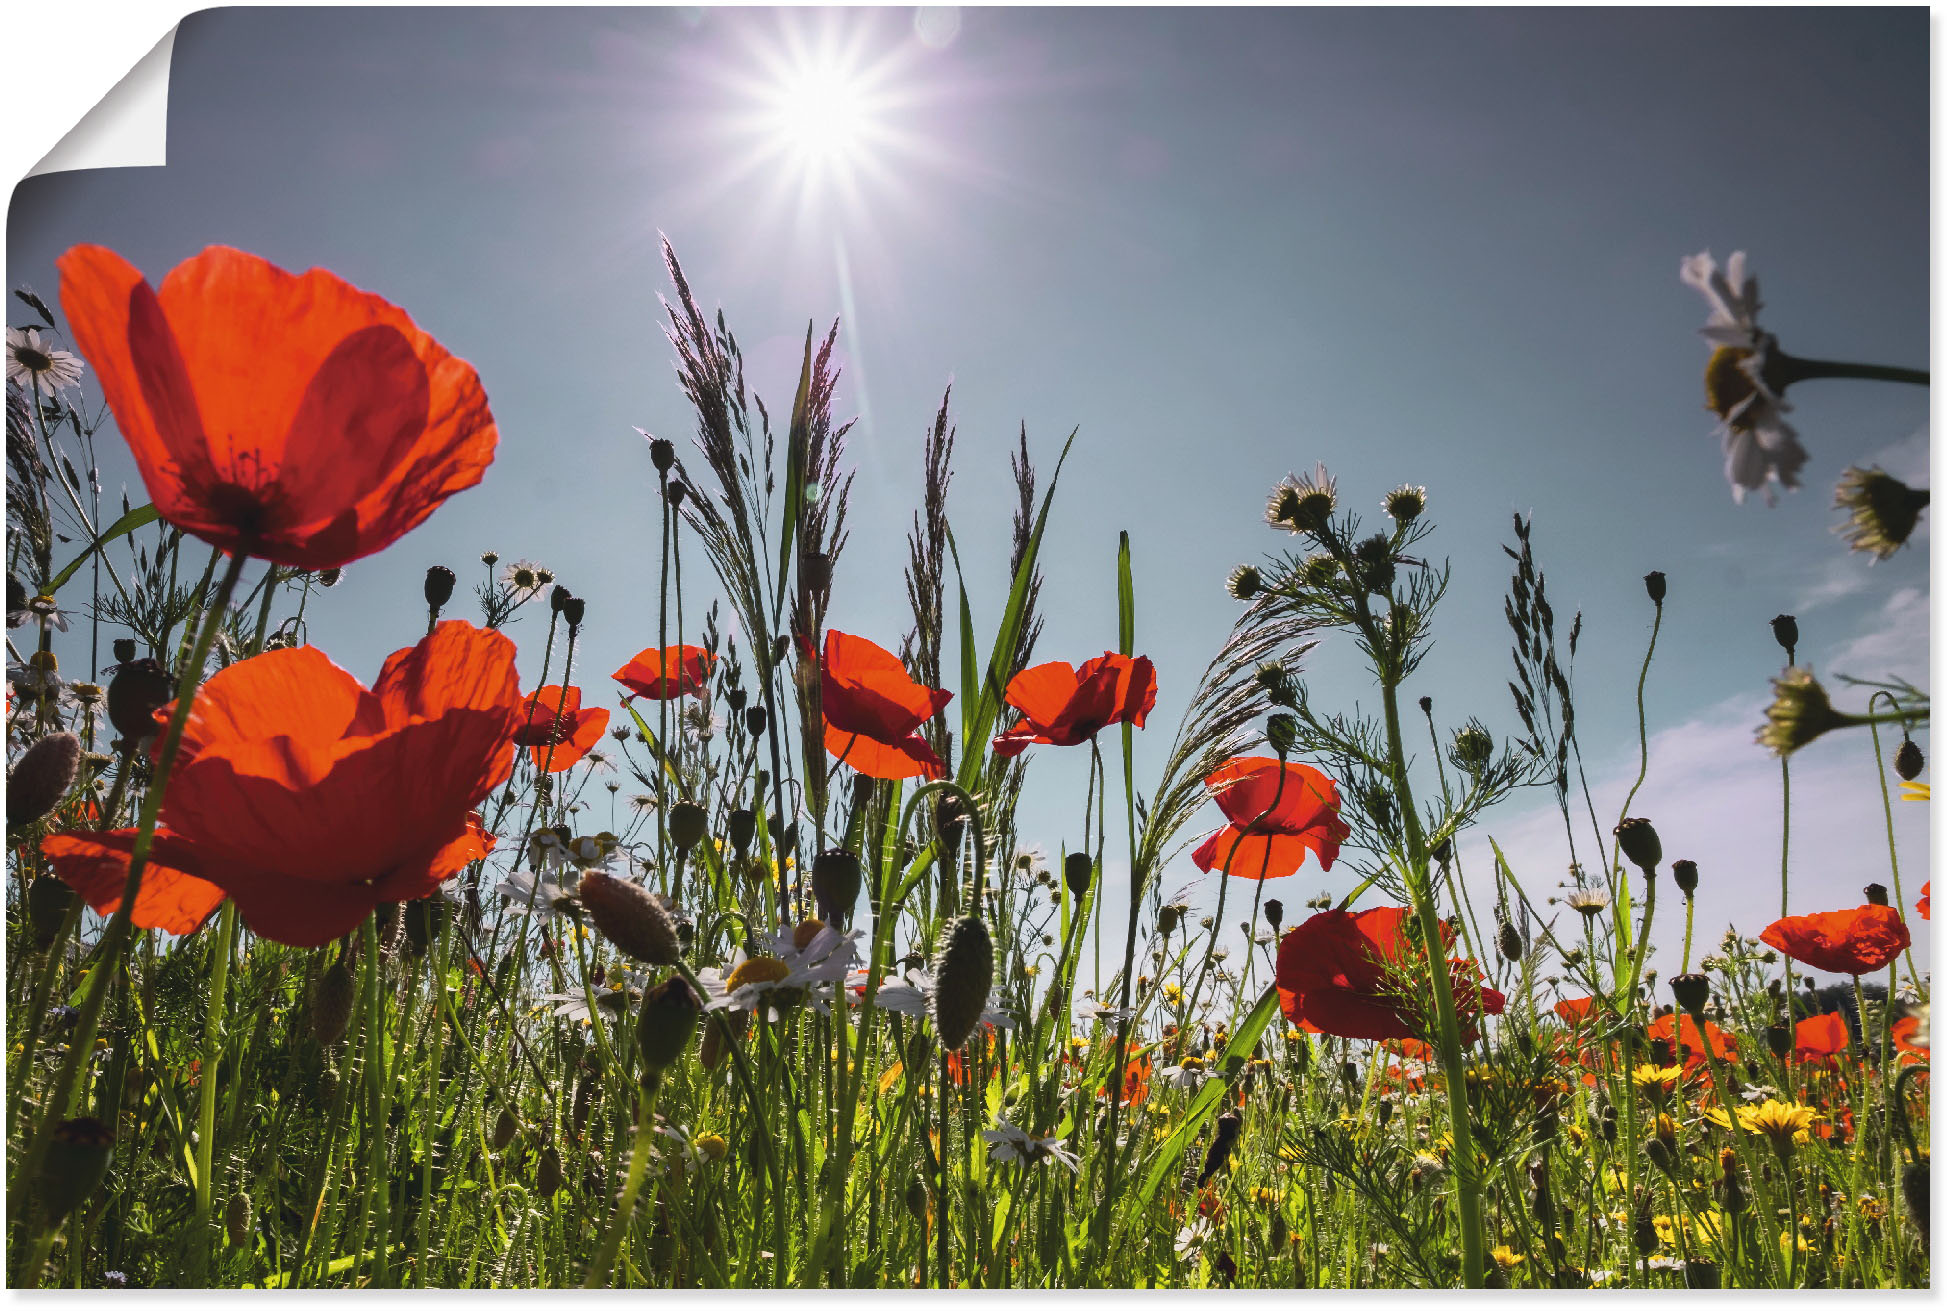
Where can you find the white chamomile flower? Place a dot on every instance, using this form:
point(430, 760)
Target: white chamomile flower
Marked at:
point(1009, 1142)
point(1740, 386)
point(34, 365)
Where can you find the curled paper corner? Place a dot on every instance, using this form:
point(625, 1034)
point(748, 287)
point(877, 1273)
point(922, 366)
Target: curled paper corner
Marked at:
point(128, 127)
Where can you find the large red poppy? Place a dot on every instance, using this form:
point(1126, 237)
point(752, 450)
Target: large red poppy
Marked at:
point(296, 419)
point(1925, 904)
point(1064, 706)
point(872, 707)
point(1841, 941)
point(1680, 1031)
point(1576, 1011)
point(1278, 811)
point(308, 800)
point(556, 730)
point(1821, 1039)
point(662, 675)
point(1361, 976)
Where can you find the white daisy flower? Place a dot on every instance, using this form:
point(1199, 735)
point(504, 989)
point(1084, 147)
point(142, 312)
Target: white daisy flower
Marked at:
point(1187, 1074)
point(617, 998)
point(532, 894)
point(1009, 1142)
point(41, 611)
point(1088, 1010)
point(806, 965)
point(910, 994)
point(35, 366)
point(526, 577)
point(1760, 448)
point(1194, 1235)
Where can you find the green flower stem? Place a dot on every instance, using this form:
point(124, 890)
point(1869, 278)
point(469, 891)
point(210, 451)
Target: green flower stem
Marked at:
point(119, 933)
point(1799, 370)
point(618, 1224)
point(203, 1240)
point(1892, 847)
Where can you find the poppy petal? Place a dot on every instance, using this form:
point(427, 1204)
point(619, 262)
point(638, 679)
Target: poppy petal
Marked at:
point(908, 757)
point(296, 692)
point(172, 897)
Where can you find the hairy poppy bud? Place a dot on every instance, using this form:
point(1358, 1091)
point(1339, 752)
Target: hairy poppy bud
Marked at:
point(754, 720)
point(48, 903)
point(1908, 761)
point(961, 984)
point(1692, 992)
point(1077, 871)
point(1280, 1232)
point(329, 577)
point(949, 820)
point(1876, 894)
point(678, 493)
point(1660, 1154)
point(76, 1160)
point(559, 596)
point(662, 454)
point(124, 649)
point(423, 918)
point(572, 611)
point(916, 1200)
point(1684, 874)
point(236, 1219)
point(331, 1003)
point(1281, 731)
point(45, 773)
point(138, 689)
point(1229, 1125)
point(439, 587)
point(1639, 843)
point(836, 877)
point(1167, 919)
point(1508, 942)
point(670, 1011)
point(1785, 629)
point(1780, 1039)
point(547, 1176)
point(1608, 1125)
point(506, 1128)
point(689, 824)
point(720, 1029)
point(629, 916)
point(743, 830)
point(1656, 585)
point(1274, 913)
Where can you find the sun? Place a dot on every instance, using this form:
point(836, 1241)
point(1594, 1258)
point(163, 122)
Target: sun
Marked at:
point(821, 114)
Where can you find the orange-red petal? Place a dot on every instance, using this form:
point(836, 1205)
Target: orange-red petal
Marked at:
point(173, 897)
point(907, 757)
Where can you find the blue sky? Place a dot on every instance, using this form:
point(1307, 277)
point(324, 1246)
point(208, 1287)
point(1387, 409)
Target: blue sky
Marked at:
point(1427, 246)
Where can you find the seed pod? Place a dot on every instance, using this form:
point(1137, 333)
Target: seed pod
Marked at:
point(1785, 629)
point(1229, 1125)
point(743, 830)
point(1908, 761)
point(1692, 992)
point(1656, 585)
point(439, 588)
point(836, 877)
point(506, 1129)
point(630, 917)
point(236, 1219)
point(1660, 1155)
point(1077, 871)
point(586, 1087)
point(961, 985)
point(1167, 919)
point(138, 689)
point(547, 1175)
point(76, 1160)
point(1915, 1185)
point(662, 454)
point(689, 824)
point(1781, 1040)
point(1643, 1231)
point(1639, 843)
point(1876, 894)
point(755, 719)
point(1281, 732)
point(670, 1011)
point(45, 773)
point(48, 903)
point(331, 1003)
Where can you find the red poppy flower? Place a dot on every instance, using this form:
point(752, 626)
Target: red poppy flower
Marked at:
point(1926, 900)
point(872, 707)
point(1064, 706)
point(296, 419)
point(1575, 1010)
point(308, 800)
point(666, 674)
point(1820, 1039)
point(556, 730)
point(1905, 1030)
point(1277, 812)
point(1841, 941)
point(1356, 976)
point(1681, 1032)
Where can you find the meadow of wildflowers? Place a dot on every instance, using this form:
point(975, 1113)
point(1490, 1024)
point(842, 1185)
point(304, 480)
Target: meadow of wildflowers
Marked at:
point(332, 978)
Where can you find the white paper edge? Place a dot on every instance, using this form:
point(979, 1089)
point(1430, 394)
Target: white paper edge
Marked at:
point(128, 127)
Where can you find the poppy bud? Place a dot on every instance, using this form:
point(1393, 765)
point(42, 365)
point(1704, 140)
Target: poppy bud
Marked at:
point(1692, 992)
point(784, 836)
point(720, 1029)
point(754, 721)
point(138, 689)
point(329, 577)
point(1385, 1111)
point(1916, 1185)
point(1684, 874)
point(627, 915)
point(124, 649)
point(949, 820)
point(678, 492)
point(670, 1011)
point(423, 919)
point(45, 773)
point(547, 1176)
point(1639, 843)
point(1780, 1039)
point(1659, 1154)
point(961, 985)
point(662, 454)
point(1280, 1232)
point(1785, 629)
point(48, 903)
point(1508, 942)
point(743, 829)
point(76, 1160)
point(572, 610)
point(1876, 894)
point(1077, 871)
point(1167, 919)
point(1656, 585)
point(815, 571)
point(916, 1201)
point(1702, 1274)
point(1908, 761)
point(1608, 1125)
point(559, 596)
point(780, 647)
point(1274, 913)
point(689, 824)
point(331, 1003)
point(836, 877)
point(236, 1219)
point(506, 1128)
point(1281, 731)
point(439, 587)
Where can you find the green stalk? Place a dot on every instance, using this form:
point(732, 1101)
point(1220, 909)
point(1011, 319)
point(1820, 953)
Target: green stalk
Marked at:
point(618, 1224)
point(202, 1240)
point(1892, 848)
point(1792, 369)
